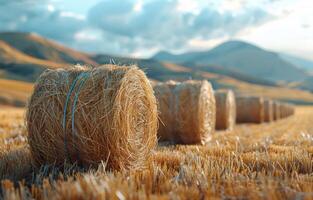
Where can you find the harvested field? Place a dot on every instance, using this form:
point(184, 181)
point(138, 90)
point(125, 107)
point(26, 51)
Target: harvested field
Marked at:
point(254, 161)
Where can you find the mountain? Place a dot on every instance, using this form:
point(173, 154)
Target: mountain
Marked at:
point(17, 65)
point(23, 57)
point(299, 62)
point(41, 48)
point(243, 58)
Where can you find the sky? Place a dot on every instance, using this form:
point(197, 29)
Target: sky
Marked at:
point(141, 28)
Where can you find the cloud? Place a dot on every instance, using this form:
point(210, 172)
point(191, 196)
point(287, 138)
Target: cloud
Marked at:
point(40, 17)
point(131, 26)
point(163, 24)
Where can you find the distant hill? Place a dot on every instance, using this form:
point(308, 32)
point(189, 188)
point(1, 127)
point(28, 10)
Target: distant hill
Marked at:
point(307, 84)
point(243, 58)
point(299, 62)
point(41, 48)
point(24, 56)
point(17, 65)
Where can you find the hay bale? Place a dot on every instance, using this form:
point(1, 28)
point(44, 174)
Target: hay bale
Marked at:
point(276, 110)
point(114, 119)
point(225, 109)
point(282, 108)
point(286, 110)
point(187, 111)
point(268, 110)
point(292, 110)
point(250, 109)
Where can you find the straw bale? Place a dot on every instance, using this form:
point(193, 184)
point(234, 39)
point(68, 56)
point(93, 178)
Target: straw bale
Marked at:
point(187, 111)
point(225, 109)
point(268, 110)
point(114, 119)
point(250, 109)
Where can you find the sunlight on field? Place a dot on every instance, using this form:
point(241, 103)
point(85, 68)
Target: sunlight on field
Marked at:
point(267, 161)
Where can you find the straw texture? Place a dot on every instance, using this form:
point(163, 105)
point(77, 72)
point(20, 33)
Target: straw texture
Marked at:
point(225, 109)
point(111, 116)
point(250, 109)
point(187, 111)
point(276, 110)
point(268, 110)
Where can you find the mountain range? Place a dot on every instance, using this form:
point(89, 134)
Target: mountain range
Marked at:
point(244, 58)
point(237, 65)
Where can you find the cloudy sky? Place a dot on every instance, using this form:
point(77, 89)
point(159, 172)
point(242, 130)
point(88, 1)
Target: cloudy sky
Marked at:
point(143, 27)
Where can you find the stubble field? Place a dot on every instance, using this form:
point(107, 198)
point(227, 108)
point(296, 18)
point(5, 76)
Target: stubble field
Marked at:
point(267, 161)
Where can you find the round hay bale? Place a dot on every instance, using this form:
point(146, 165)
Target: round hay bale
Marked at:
point(187, 111)
point(268, 110)
point(286, 110)
point(110, 115)
point(276, 110)
point(250, 109)
point(225, 109)
point(291, 110)
point(283, 110)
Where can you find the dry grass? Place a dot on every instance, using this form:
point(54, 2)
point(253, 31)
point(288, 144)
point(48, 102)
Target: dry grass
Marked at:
point(111, 116)
point(225, 109)
point(267, 161)
point(187, 111)
point(14, 92)
point(268, 110)
point(249, 109)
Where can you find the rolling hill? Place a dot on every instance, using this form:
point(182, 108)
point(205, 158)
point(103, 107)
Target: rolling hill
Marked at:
point(299, 62)
point(240, 57)
point(24, 56)
point(41, 48)
point(14, 64)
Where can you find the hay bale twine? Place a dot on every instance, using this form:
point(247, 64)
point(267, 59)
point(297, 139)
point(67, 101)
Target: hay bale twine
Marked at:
point(268, 110)
point(276, 110)
point(250, 109)
point(187, 111)
point(110, 116)
point(225, 109)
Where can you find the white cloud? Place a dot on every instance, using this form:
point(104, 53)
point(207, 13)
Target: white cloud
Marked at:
point(291, 33)
point(141, 27)
point(168, 24)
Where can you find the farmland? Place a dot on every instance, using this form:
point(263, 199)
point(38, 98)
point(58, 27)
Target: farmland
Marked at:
point(267, 161)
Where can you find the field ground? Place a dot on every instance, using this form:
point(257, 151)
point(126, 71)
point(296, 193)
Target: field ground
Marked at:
point(268, 161)
point(14, 92)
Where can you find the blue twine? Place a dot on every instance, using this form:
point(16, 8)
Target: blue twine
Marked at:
point(84, 77)
point(69, 94)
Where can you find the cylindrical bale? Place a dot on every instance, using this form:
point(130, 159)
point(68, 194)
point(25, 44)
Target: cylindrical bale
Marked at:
point(292, 110)
point(225, 109)
point(250, 109)
point(276, 110)
point(287, 110)
point(283, 110)
point(268, 110)
point(187, 111)
point(87, 116)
